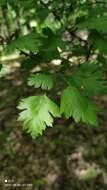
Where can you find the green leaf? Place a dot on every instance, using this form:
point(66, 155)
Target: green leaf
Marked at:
point(99, 41)
point(45, 81)
point(50, 44)
point(42, 14)
point(94, 11)
point(28, 63)
point(89, 78)
point(3, 2)
point(65, 64)
point(26, 5)
point(97, 23)
point(38, 112)
point(101, 45)
point(30, 42)
point(78, 106)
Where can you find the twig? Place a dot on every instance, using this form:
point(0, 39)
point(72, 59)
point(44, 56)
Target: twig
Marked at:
point(89, 52)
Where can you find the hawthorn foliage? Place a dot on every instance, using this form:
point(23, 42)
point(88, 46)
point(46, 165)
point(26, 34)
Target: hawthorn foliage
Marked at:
point(71, 31)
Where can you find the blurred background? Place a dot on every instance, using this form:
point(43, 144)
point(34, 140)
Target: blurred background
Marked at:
point(68, 156)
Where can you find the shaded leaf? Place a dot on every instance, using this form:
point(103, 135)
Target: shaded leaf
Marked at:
point(30, 42)
point(97, 23)
point(89, 78)
point(45, 81)
point(73, 104)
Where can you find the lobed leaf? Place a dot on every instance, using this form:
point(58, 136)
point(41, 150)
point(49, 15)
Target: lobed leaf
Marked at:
point(73, 104)
point(37, 113)
point(89, 78)
point(30, 42)
point(45, 81)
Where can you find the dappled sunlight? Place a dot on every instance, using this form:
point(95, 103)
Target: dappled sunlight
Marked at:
point(56, 62)
point(81, 168)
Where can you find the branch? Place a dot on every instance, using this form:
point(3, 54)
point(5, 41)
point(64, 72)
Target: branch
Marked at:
point(89, 52)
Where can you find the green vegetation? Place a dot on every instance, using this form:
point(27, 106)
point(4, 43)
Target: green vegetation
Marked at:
point(46, 31)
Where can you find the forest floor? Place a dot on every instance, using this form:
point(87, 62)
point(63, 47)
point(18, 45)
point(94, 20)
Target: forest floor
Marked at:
point(68, 156)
